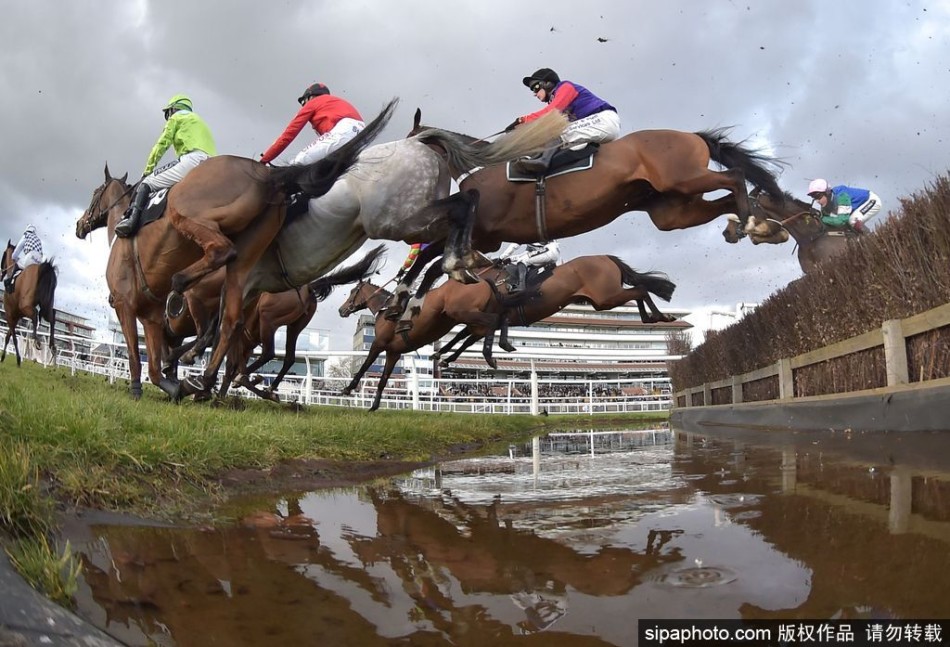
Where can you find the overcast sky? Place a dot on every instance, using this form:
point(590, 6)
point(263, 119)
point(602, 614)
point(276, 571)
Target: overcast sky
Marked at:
point(855, 91)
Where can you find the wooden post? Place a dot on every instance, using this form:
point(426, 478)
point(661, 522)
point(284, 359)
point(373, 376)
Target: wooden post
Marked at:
point(736, 389)
point(895, 352)
point(707, 395)
point(786, 381)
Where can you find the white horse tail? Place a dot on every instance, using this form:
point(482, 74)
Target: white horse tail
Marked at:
point(529, 139)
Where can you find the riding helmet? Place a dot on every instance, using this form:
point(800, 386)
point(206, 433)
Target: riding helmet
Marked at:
point(546, 76)
point(315, 90)
point(817, 185)
point(177, 102)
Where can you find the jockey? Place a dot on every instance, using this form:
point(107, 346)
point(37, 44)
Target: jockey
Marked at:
point(534, 254)
point(844, 205)
point(335, 120)
point(29, 251)
point(193, 143)
point(591, 118)
point(414, 250)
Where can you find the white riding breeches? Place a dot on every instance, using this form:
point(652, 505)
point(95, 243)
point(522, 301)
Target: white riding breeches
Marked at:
point(344, 130)
point(29, 258)
point(165, 177)
point(866, 210)
point(600, 127)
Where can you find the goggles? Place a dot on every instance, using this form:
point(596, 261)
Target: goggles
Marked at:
point(534, 87)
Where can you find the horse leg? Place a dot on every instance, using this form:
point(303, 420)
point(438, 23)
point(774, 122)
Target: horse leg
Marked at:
point(487, 346)
point(218, 251)
point(458, 255)
point(391, 358)
point(503, 342)
point(290, 350)
point(130, 332)
point(462, 334)
point(374, 352)
point(155, 346)
point(472, 338)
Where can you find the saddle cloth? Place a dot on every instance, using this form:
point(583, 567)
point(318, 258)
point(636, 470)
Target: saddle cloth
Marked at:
point(565, 161)
point(155, 208)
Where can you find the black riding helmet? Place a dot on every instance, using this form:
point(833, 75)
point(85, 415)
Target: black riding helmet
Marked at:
point(546, 77)
point(314, 90)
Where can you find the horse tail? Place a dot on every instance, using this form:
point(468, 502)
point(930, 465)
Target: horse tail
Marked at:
point(529, 139)
point(655, 282)
point(46, 289)
point(754, 164)
point(359, 271)
point(316, 178)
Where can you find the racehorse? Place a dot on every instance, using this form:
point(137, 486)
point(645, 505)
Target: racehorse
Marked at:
point(482, 308)
point(32, 296)
point(662, 172)
point(294, 309)
point(386, 196)
point(772, 222)
point(225, 212)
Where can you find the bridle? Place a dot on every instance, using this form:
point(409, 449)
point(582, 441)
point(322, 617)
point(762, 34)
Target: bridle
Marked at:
point(97, 198)
point(357, 306)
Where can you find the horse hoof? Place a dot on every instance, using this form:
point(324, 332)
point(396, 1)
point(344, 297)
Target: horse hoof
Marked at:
point(135, 390)
point(174, 304)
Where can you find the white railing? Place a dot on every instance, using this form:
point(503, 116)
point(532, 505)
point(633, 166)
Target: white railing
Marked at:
point(506, 396)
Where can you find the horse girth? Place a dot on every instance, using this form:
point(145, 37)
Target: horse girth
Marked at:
point(140, 272)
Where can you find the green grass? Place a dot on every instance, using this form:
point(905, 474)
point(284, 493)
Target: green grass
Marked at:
point(95, 446)
point(78, 440)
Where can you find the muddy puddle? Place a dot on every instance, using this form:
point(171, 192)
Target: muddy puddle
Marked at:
point(565, 540)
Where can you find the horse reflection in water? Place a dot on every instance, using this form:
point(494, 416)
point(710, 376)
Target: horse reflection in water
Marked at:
point(191, 583)
point(774, 221)
point(32, 297)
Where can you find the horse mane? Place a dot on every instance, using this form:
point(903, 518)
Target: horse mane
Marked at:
point(311, 179)
point(656, 282)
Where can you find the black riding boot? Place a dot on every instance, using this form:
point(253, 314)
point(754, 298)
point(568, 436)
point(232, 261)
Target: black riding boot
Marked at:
point(537, 165)
point(130, 222)
point(519, 274)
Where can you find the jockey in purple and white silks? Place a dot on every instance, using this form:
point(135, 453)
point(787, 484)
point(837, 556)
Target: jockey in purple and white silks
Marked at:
point(591, 118)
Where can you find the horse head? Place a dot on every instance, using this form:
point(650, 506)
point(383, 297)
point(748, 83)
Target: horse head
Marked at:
point(107, 199)
point(6, 266)
point(356, 300)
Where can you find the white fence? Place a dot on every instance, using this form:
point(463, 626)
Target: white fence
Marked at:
point(535, 395)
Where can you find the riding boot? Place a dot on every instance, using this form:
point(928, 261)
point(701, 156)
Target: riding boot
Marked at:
point(519, 274)
point(130, 222)
point(859, 227)
point(539, 164)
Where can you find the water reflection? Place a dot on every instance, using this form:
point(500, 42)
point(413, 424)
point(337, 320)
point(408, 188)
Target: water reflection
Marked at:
point(569, 538)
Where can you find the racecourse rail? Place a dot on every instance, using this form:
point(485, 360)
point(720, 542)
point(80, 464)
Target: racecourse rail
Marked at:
point(901, 404)
point(417, 390)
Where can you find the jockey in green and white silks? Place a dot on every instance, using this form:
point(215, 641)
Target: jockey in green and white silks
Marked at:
point(191, 138)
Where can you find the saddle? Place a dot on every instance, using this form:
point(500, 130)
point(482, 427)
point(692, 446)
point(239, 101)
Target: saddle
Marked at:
point(534, 275)
point(564, 161)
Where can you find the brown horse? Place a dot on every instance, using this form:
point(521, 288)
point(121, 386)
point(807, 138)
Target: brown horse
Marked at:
point(662, 172)
point(772, 222)
point(224, 213)
point(32, 297)
point(293, 309)
point(482, 308)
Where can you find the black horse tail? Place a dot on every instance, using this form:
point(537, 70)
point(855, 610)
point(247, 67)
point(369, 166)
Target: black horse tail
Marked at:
point(655, 282)
point(46, 291)
point(316, 178)
point(754, 164)
point(359, 271)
